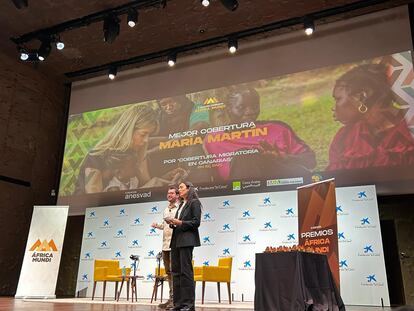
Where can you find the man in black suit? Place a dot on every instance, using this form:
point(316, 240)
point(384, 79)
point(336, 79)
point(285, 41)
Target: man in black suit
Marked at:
point(184, 238)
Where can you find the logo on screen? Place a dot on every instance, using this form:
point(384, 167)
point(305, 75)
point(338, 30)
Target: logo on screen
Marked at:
point(210, 101)
point(236, 185)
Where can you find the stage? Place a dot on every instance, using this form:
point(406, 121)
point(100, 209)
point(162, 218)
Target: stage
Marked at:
point(86, 304)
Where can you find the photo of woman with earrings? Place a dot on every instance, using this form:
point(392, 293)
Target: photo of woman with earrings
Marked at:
point(374, 132)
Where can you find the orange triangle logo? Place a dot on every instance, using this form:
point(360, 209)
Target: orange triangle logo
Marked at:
point(44, 246)
point(210, 100)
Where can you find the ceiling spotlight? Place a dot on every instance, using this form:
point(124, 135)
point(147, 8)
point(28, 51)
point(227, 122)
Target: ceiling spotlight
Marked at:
point(171, 60)
point(24, 54)
point(205, 3)
point(230, 5)
point(112, 73)
point(233, 46)
point(44, 50)
point(111, 28)
point(60, 45)
point(132, 17)
point(309, 26)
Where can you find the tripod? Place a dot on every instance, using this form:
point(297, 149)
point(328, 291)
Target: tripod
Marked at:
point(159, 279)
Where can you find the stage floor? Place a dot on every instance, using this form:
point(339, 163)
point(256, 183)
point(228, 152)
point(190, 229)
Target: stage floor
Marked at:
point(86, 304)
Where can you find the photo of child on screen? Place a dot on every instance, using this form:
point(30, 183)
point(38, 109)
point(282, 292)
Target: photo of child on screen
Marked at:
point(281, 152)
point(374, 132)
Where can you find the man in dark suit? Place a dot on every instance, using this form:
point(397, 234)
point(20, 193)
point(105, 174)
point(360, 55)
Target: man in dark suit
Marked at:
point(184, 238)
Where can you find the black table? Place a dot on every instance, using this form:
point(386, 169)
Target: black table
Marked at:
point(295, 281)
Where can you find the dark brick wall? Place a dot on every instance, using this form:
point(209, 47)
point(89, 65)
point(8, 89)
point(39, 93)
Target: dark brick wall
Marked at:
point(31, 122)
point(400, 210)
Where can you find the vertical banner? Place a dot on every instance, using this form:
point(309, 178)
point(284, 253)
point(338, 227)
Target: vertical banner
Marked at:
point(43, 251)
point(318, 227)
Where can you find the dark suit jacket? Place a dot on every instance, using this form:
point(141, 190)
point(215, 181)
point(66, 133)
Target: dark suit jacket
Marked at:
point(187, 234)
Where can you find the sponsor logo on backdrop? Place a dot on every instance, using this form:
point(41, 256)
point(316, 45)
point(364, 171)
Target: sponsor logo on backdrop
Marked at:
point(266, 201)
point(150, 254)
point(288, 213)
point(118, 255)
point(90, 235)
point(368, 251)
point(365, 223)
point(345, 266)
point(236, 185)
point(340, 211)
point(225, 252)
point(343, 238)
point(149, 278)
point(207, 217)
point(246, 215)
point(206, 263)
point(122, 213)
point(137, 222)
point(132, 195)
point(132, 265)
point(134, 244)
point(361, 196)
point(154, 210)
point(247, 239)
point(372, 280)
point(246, 265)
point(152, 232)
point(92, 214)
point(226, 204)
point(206, 240)
point(84, 278)
point(284, 181)
point(106, 224)
point(226, 228)
point(104, 245)
point(290, 239)
point(43, 251)
point(87, 256)
point(119, 234)
point(268, 226)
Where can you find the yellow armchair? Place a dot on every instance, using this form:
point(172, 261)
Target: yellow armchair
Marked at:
point(220, 273)
point(107, 271)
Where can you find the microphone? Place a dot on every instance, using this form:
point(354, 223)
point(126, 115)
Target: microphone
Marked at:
point(134, 257)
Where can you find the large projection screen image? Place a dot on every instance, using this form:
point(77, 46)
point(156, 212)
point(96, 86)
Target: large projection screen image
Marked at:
point(353, 121)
